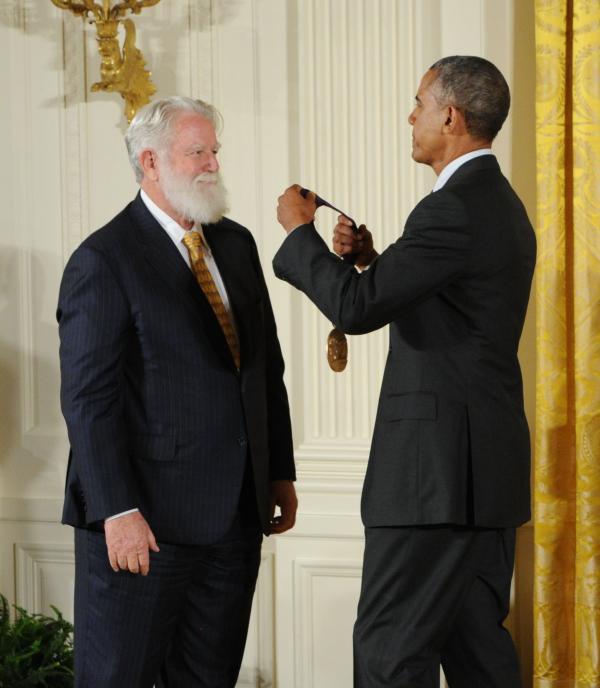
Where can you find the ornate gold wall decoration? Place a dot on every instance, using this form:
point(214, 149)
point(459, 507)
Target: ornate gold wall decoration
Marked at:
point(124, 70)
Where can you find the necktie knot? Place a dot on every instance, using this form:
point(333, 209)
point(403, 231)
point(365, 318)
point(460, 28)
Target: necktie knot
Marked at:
point(193, 242)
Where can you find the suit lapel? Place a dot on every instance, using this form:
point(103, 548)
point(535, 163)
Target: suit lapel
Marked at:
point(166, 260)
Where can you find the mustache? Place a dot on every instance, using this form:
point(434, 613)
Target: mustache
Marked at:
point(207, 178)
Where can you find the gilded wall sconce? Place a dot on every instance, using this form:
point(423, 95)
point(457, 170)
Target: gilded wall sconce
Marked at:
point(123, 70)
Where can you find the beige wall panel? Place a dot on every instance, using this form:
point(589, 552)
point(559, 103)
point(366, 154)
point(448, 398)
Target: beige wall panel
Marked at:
point(45, 577)
point(350, 104)
point(31, 442)
point(314, 622)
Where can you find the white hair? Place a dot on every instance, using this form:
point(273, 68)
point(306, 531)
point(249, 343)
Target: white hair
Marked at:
point(151, 127)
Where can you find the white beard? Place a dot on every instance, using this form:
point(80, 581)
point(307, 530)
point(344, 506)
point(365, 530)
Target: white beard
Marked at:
point(201, 199)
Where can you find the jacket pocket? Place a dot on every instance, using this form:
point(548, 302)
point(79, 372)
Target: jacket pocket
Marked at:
point(153, 447)
point(410, 406)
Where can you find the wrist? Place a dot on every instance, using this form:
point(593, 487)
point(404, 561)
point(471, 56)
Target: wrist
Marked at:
point(291, 226)
point(119, 515)
point(364, 262)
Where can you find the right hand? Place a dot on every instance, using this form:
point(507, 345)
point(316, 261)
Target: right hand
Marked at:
point(128, 540)
point(294, 209)
point(347, 241)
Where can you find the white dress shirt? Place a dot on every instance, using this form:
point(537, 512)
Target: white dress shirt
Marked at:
point(176, 233)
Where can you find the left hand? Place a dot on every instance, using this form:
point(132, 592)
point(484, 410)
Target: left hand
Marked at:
point(358, 243)
point(294, 210)
point(128, 539)
point(283, 495)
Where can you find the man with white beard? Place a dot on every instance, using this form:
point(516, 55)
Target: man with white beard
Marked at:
point(172, 391)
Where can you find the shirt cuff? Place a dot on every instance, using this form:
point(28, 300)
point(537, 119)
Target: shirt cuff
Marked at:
point(123, 513)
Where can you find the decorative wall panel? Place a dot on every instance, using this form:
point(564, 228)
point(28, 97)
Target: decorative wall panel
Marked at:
point(45, 577)
point(326, 594)
point(355, 89)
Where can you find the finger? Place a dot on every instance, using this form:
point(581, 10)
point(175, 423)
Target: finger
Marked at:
point(144, 560)
point(281, 525)
point(152, 542)
point(133, 563)
point(275, 525)
point(287, 520)
point(112, 558)
point(348, 242)
point(122, 561)
point(344, 230)
point(295, 187)
point(343, 220)
point(345, 244)
point(345, 240)
point(343, 249)
point(272, 505)
point(288, 514)
point(364, 232)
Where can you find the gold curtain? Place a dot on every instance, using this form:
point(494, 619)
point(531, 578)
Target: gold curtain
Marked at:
point(567, 454)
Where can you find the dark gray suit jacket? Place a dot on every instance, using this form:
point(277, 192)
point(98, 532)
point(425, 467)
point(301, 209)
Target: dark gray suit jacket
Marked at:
point(451, 442)
point(157, 415)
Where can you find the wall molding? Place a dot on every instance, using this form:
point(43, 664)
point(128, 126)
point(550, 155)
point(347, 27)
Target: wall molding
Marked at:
point(201, 49)
point(306, 571)
point(331, 471)
point(31, 568)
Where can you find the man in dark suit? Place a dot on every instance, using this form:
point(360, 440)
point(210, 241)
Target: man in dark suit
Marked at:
point(448, 474)
point(178, 420)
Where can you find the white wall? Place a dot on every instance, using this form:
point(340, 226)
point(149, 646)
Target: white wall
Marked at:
point(314, 91)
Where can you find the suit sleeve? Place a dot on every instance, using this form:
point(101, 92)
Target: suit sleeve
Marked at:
point(433, 250)
point(281, 449)
point(94, 322)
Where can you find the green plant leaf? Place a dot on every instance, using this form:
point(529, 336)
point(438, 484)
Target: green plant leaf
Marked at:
point(35, 649)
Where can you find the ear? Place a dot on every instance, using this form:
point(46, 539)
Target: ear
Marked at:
point(455, 121)
point(148, 162)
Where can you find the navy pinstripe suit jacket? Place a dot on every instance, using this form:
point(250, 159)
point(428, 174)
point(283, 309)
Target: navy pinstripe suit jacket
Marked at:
point(157, 415)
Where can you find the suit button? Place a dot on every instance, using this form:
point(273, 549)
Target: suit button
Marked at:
point(242, 441)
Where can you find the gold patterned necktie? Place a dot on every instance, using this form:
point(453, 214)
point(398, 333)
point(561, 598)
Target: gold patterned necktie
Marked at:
point(194, 244)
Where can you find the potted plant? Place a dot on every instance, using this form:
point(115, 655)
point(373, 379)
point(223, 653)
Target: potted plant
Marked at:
point(35, 650)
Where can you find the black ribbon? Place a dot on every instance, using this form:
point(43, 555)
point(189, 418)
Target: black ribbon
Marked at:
point(350, 257)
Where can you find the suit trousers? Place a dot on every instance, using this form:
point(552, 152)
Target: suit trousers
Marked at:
point(182, 626)
point(435, 595)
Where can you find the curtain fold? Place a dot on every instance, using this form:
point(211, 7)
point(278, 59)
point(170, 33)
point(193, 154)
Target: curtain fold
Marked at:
point(567, 451)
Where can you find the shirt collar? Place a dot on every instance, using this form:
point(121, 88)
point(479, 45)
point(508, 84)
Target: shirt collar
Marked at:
point(171, 227)
point(451, 167)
